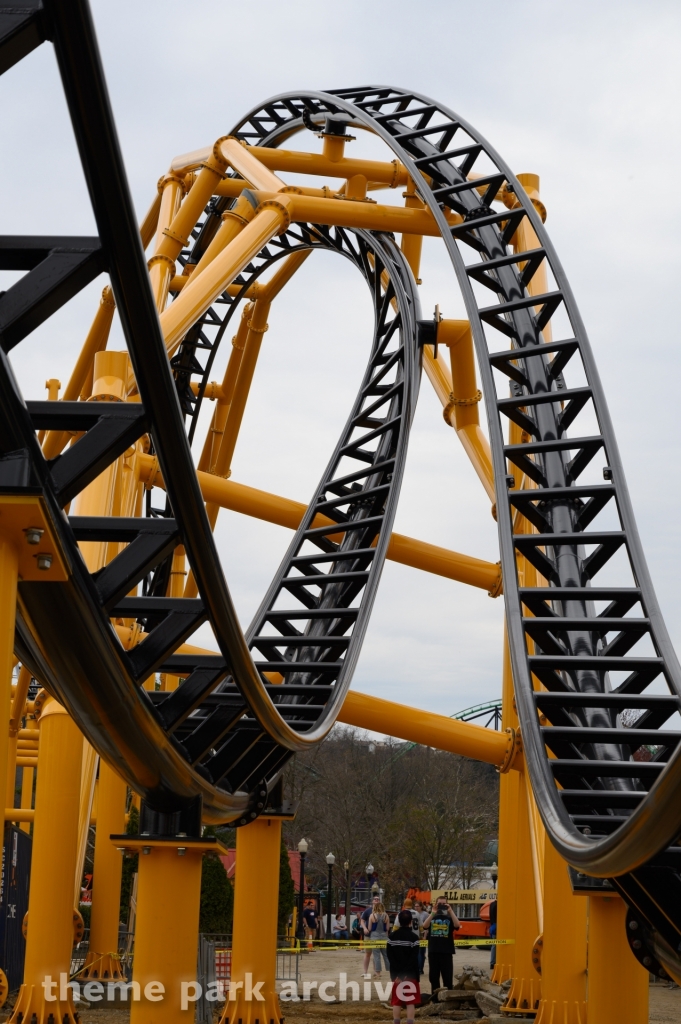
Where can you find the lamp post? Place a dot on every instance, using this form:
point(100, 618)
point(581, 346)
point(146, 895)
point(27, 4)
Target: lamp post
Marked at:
point(369, 870)
point(348, 895)
point(330, 860)
point(300, 927)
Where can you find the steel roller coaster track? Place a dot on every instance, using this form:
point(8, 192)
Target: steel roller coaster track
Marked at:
point(596, 678)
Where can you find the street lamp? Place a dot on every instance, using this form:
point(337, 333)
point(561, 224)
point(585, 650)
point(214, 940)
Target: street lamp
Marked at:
point(300, 927)
point(348, 895)
point(330, 860)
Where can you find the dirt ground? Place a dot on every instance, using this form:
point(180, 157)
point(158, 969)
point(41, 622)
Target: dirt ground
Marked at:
point(665, 1008)
point(328, 965)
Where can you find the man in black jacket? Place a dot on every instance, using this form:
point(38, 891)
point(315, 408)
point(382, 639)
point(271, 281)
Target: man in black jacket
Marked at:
point(441, 925)
point(403, 956)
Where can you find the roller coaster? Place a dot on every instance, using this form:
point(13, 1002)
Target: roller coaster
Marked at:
point(101, 590)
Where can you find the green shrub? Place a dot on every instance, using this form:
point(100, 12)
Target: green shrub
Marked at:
point(217, 895)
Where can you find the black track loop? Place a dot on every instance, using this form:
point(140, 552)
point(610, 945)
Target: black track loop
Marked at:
point(586, 648)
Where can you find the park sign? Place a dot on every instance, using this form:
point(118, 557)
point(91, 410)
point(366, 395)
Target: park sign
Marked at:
point(464, 895)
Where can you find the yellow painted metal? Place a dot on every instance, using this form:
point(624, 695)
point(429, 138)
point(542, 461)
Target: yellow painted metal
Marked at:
point(27, 778)
point(243, 159)
point(9, 568)
point(233, 221)
point(537, 843)
point(509, 789)
point(176, 585)
point(39, 555)
point(167, 928)
point(525, 991)
point(21, 814)
point(161, 264)
point(343, 213)
point(88, 776)
point(113, 492)
point(80, 383)
point(617, 985)
point(274, 214)
point(176, 236)
point(461, 409)
point(208, 460)
point(256, 873)
point(55, 841)
point(194, 300)
point(563, 962)
point(233, 187)
point(18, 707)
point(408, 723)
point(101, 961)
point(334, 146)
point(148, 225)
point(18, 741)
point(257, 325)
point(412, 245)
point(285, 512)
point(391, 173)
point(526, 238)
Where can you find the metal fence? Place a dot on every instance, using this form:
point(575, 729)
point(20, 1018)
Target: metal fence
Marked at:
point(126, 945)
point(213, 971)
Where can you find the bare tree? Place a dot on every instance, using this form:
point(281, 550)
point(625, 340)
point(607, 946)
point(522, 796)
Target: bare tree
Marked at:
point(422, 816)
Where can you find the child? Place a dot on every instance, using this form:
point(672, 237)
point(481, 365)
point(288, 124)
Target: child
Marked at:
point(403, 957)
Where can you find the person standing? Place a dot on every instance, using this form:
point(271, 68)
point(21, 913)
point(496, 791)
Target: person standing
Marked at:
point(310, 920)
point(493, 932)
point(402, 949)
point(441, 924)
point(364, 920)
point(379, 926)
point(422, 915)
point(415, 918)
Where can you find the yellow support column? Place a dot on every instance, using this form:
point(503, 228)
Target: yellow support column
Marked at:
point(617, 986)
point(254, 949)
point(563, 955)
point(49, 937)
point(102, 960)
point(167, 929)
point(111, 493)
point(509, 788)
point(9, 569)
point(27, 776)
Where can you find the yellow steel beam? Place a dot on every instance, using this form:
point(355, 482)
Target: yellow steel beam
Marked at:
point(461, 405)
point(148, 225)
point(284, 512)
point(162, 265)
point(223, 394)
point(19, 814)
point(275, 212)
point(80, 384)
point(196, 297)
point(407, 723)
point(391, 173)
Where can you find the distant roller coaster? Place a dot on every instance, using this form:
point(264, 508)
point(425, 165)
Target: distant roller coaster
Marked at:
point(107, 589)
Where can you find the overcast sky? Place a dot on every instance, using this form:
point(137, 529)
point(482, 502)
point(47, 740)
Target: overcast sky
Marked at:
point(585, 94)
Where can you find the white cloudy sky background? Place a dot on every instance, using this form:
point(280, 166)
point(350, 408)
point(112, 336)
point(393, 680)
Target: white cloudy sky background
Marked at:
point(584, 94)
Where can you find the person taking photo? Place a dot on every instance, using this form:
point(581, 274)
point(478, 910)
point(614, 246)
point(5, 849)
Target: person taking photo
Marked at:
point(441, 925)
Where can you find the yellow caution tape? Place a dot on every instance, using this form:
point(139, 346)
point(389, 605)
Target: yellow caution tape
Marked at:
point(304, 946)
